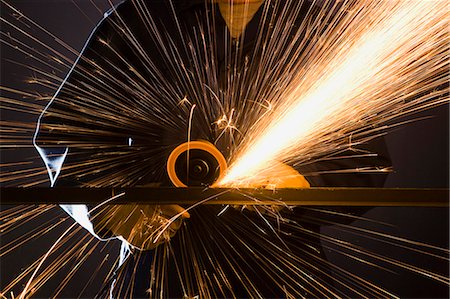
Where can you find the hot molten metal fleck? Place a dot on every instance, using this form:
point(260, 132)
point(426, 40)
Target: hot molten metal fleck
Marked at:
point(365, 81)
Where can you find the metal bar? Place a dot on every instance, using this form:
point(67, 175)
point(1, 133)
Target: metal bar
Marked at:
point(188, 196)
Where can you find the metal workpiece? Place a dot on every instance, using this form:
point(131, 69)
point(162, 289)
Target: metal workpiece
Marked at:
point(389, 197)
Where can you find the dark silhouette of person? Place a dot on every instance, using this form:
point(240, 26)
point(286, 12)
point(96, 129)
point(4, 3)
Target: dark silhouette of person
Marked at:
point(118, 115)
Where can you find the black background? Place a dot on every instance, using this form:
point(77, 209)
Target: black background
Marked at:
point(419, 152)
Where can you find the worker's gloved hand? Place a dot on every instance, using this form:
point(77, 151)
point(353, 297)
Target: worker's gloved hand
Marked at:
point(142, 226)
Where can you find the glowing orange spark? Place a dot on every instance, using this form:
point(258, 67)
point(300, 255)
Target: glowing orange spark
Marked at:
point(361, 81)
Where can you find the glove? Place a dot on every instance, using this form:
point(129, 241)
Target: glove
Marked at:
point(142, 226)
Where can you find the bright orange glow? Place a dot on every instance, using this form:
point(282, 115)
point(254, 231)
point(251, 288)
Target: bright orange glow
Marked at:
point(365, 80)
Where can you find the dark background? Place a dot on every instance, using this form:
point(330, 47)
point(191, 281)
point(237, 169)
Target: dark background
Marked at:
point(419, 152)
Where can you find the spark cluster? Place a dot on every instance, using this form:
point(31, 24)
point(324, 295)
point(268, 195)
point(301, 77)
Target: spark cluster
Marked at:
point(310, 90)
point(390, 60)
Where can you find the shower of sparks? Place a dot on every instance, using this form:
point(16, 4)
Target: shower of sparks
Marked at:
point(367, 81)
point(73, 250)
point(309, 92)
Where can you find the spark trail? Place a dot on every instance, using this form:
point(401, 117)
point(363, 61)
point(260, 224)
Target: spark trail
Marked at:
point(366, 82)
point(213, 251)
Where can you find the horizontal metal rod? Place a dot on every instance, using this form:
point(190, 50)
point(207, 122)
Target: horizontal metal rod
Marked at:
point(402, 197)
